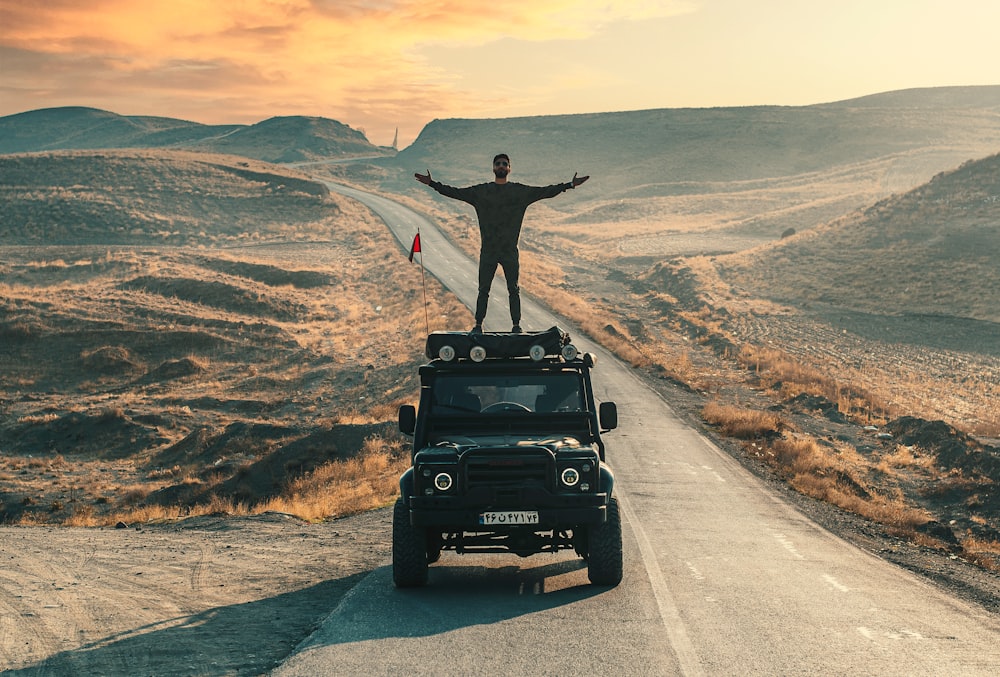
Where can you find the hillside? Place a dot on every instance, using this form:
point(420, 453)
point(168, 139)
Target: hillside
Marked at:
point(293, 139)
point(934, 250)
point(888, 310)
point(73, 128)
point(164, 197)
point(279, 139)
point(182, 329)
point(687, 150)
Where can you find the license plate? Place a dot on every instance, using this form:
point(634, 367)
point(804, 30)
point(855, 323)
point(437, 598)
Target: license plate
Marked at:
point(509, 517)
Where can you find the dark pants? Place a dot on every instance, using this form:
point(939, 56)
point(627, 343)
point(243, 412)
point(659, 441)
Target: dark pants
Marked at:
point(488, 262)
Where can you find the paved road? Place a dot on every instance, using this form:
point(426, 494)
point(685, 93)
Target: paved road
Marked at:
point(722, 577)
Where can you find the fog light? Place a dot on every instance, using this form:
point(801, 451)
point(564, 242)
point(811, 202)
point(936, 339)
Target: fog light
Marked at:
point(447, 353)
point(569, 352)
point(536, 352)
point(442, 481)
point(585, 486)
point(570, 477)
point(478, 354)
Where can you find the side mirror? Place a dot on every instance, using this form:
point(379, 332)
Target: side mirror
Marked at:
point(608, 412)
point(407, 419)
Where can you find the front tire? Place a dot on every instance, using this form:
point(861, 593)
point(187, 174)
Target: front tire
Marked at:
point(604, 545)
point(409, 549)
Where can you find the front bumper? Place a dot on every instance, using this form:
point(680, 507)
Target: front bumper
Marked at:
point(555, 511)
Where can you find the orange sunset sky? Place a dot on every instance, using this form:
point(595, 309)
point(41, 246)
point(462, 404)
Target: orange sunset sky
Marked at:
point(386, 64)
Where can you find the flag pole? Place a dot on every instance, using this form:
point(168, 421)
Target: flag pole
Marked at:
point(415, 248)
point(423, 286)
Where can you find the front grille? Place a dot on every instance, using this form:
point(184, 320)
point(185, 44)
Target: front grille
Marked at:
point(508, 468)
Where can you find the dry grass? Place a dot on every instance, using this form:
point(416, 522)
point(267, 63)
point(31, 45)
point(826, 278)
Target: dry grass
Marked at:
point(336, 489)
point(369, 480)
point(985, 553)
point(743, 423)
point(791, 377)
point(837, 474)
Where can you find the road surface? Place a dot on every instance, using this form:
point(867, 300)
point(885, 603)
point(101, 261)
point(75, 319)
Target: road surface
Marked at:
point(722, 577)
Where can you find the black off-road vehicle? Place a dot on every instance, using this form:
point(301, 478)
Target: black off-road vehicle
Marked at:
point(507, 456)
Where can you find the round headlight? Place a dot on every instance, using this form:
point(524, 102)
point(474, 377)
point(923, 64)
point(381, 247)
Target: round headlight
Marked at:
point(569, 351)
point(536, 352)
point(442, 481)
point(570, 477)
point(447, 353)
point(478, 354)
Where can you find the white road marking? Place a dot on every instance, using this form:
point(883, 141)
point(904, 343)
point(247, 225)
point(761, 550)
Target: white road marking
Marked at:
point(787, 544)
point(687, 658)
point(695, 574)
point(834, 583)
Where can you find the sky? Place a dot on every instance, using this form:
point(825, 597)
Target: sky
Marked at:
point(386, 65)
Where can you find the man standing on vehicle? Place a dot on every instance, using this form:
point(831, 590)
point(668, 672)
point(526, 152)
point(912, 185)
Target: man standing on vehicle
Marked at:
point(500, 208)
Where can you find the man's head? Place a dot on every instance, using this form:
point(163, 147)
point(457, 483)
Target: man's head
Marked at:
point(501, 167)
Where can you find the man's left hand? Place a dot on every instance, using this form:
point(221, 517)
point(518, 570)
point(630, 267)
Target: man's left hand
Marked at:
point(577, 180)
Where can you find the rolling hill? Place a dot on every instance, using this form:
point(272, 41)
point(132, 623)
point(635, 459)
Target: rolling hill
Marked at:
point(934, 250)
point(278, 139)
point(666, 152)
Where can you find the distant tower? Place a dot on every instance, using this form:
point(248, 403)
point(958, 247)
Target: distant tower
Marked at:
point(395, 140)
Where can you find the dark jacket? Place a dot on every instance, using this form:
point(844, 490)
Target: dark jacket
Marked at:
point(500, 208)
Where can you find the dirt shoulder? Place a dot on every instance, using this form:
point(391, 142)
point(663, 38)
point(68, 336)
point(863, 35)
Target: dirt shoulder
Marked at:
point(205, 596)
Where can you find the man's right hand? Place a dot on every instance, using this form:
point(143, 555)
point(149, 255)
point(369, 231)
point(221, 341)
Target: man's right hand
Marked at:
point(423, 178)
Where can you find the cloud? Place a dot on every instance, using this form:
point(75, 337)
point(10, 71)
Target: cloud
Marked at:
point(243, 60)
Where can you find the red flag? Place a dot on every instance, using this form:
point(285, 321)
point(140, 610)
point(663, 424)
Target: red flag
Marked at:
point(416, 245)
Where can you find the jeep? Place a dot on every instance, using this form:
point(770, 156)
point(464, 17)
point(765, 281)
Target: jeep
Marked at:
point(507, 456)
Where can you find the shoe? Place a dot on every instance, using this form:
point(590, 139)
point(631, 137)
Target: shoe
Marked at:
point(516, 329)
point(478, 329)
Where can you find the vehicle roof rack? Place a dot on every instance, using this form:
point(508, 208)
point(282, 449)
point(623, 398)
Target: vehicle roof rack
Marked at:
point(479, 346)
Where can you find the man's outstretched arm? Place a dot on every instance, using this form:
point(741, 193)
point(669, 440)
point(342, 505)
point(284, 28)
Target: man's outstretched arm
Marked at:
point(464, 194)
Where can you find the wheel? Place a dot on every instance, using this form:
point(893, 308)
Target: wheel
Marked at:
point(434, 544)
point(409, 549)
point(505, 406)
point(604, 545)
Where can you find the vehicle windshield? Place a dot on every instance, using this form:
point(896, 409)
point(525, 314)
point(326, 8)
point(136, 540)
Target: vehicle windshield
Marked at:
point(542, 393)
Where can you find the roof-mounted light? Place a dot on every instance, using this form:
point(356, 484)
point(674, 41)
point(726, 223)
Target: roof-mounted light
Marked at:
point(447, 353)
point(569, 352)
point(536, 352)
point(477, 354)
